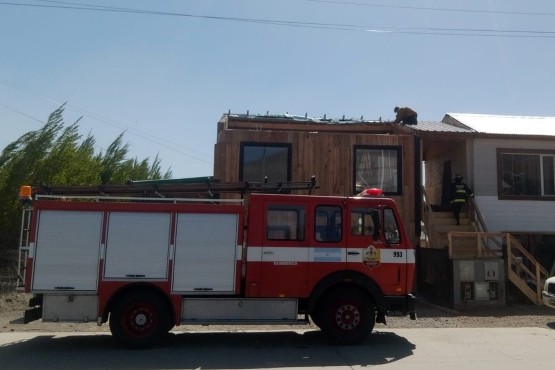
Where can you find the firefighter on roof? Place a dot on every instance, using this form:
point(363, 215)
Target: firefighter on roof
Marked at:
point(406, 116)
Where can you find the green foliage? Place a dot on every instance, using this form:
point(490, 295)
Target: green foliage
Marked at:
point(57, 154)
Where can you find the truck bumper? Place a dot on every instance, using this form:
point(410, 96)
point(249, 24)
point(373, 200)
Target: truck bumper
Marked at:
point(405, 304)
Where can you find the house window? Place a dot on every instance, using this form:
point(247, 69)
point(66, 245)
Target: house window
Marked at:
point(265, 160)
point(285, 222)
point(525, 174)
point(378, 167)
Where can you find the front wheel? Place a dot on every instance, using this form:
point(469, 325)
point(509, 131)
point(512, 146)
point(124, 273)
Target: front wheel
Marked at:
point(140, 319)
point(346, 315)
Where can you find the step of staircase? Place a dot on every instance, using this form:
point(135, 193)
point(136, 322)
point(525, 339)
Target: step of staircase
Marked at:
point(444, 222)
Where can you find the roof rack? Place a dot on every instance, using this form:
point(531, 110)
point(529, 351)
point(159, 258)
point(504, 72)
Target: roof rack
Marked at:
point(200, 187)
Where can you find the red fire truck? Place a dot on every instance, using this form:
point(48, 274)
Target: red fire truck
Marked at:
point(147, 264)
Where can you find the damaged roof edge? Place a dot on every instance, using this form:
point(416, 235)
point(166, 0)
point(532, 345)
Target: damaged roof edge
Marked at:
point(300, 119)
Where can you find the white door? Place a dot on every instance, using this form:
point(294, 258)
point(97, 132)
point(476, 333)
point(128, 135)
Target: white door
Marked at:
point(205, 253)
point(67, 251)
point(137, 245)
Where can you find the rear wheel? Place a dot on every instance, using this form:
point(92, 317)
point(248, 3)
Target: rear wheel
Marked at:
point(140, 319)
point(346, 315)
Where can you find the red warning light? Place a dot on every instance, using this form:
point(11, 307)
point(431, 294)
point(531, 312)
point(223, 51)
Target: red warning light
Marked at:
point(372, 192)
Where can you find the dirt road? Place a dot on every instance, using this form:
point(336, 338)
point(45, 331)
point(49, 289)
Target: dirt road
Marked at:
point(12, 307)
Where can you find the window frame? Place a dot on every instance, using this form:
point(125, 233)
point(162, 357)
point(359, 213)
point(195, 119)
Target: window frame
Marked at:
point(390, 219)
point(361, 227)
point(540, 154)
point(272, 229)
point(333, 232)
point(399, 163)
point(246, 144)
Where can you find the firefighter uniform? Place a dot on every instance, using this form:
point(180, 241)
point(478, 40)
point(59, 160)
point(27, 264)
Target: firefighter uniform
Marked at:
point(460, 192)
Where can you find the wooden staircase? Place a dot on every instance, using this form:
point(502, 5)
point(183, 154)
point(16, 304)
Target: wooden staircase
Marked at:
point(524, 271)
point(445, 223)
point(471, 240)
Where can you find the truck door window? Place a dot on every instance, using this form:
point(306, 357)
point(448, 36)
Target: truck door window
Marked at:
point(391, 228)
point(286, 222)
point(364, 221)
point(328, 223)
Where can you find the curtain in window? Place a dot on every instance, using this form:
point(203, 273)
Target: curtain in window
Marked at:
point(521, 174)
point(377, 168)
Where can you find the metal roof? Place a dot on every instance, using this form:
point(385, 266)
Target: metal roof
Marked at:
point(432, 126)
point(465, 123)
point(506, 125)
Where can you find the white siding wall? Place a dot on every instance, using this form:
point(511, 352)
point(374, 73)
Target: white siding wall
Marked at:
point(516, 216)
point(507, 215)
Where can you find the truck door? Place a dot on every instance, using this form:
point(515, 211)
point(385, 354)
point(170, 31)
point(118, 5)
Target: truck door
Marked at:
point(284, 251)
point(374, 247)
point(328, 239)
point(67, 251)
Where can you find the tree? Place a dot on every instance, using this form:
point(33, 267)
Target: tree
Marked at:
point(56, 154)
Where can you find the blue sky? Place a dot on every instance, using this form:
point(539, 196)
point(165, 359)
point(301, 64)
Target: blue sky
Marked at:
point(166, 79)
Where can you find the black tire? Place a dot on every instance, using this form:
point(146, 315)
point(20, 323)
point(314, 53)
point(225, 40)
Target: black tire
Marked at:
point(346, 315)
point(140, 319)
point(316, 319)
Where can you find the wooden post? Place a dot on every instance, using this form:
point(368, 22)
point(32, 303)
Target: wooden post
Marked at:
point(538, 284)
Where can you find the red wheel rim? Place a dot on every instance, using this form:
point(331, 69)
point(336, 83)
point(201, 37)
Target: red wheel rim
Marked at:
point(347, 316)
point(140, 319)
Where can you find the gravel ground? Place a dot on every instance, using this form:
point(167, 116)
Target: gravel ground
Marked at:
point(429, 316)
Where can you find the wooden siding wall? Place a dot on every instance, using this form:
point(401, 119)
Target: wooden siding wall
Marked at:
point(328, 155)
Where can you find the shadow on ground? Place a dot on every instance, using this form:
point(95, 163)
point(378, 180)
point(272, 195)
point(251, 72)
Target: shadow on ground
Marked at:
point(214, 350)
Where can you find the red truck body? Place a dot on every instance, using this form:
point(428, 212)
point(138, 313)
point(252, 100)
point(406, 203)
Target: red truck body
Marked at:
point(147, 265)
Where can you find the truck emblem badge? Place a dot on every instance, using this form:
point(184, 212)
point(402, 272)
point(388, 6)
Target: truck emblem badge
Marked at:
point(371, 257)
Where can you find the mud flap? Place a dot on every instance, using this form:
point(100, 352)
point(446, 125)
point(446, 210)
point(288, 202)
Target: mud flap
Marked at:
point(32, 314)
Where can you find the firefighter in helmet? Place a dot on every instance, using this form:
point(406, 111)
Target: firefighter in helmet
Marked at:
point(460, 193)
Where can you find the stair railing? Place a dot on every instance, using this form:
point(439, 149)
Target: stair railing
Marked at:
point(429, 222)
point(524, 271)
point(475, 216)
point(483, 244)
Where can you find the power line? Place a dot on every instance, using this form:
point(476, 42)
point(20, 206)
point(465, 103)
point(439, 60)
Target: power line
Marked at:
point(431, 31)
point(142, 134)
point(457, 10)
point(22, 113)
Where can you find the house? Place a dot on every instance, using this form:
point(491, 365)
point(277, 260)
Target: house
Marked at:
point(508, 161)
point(346, 156)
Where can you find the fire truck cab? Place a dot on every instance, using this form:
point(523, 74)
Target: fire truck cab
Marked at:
point(146, 265)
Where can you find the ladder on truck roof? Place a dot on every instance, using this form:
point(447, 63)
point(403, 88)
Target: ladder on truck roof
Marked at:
point(197, 189)
point(204, 188)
